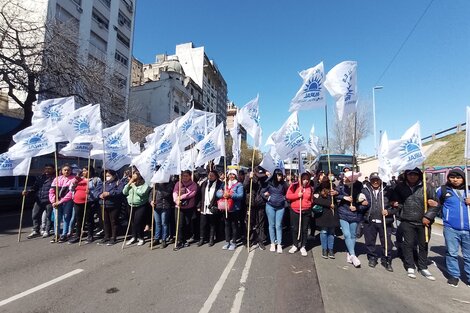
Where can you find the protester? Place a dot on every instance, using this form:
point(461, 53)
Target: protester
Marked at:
point(258, 205)
point(137, 193)
point(184, 196)
point(111, 199)
point(230, 194)
point(242, 215)
point(62, 202)
point(274, 194)
point(455, 215)
point(208, 207)
point(41, 188)
point(378, 211)
point(162, 205)
point(300, 194)
point(350, 213)
point(414, 220)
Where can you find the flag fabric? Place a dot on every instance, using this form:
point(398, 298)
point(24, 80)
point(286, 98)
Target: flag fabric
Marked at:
point(197, 131)
point(171, 166)
point(116, 138)
point(166, 141)
point(248, 117)
point(158, 133)
point(341, 82)
point(385, 167)
point(288, 140)
point(53, 110)
point(212, 146)
point(311, 94)
point(135, 149)
point(269, 140)
point(147, 162)
point(211, 121)
point(467, 136)
point(33, 141)
point(272, 160)
point(11, 167)
point(188, 158)
point(81, 150)
point(82, 125)
point(184, 125)
point(313, 142)
point(236, 142)
point(407, 152)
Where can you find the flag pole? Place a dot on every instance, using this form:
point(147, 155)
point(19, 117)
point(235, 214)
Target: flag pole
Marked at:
point(328, 155)
point(300, 212)
point(153, 217)
point(226, 189)
point(178, 212)
point(354, 157)
point(130, 215)
point(383, 220)
point(249, 201)
point(86, 202)
point(56, 221)
point(23, 201)
point(466, 187)
point(425, 197)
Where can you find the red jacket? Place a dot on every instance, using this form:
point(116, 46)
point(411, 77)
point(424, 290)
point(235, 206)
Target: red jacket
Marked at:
point(293, 197)
point(80, 190)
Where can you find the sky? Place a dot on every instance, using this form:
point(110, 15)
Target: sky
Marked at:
point(261, 46)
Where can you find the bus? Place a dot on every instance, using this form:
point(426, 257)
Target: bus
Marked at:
point(337, 162)
point(437, 175)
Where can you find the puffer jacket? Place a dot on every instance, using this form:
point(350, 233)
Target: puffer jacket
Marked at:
point(236, 192)
point(277, 194)
point(344, 212)
point(297, 203)
point(411, 203)
point(41, 188)
point(454, 210)
point(164, 196)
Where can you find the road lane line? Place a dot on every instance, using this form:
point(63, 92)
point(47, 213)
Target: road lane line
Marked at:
point(42, 286)
point(237, 303)
point(220, 283)
point(437, 234)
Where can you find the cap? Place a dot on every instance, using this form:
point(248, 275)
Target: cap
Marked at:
point(374, 175)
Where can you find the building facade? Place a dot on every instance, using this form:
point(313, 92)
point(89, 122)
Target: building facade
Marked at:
point(232, 111)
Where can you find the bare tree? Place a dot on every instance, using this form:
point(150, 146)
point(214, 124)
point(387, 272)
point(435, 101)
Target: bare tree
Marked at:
point(343, 131)
point(42, 60)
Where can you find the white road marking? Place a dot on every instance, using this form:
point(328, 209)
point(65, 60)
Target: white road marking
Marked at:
point(42, 286)
point(237, 303)
point(220, 283)
point(437, 234)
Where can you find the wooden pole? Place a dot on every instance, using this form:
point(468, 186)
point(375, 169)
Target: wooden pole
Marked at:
point(425, 197)
point(153, 218)
point(249, 202)
point(56, 219)
point(300, 212)
point(328, 156)
point(178, 212)
point(466, 188)
point(130, 215)
point(383, 220)
point(226, 189)
point(22, 202)
point(86, 202)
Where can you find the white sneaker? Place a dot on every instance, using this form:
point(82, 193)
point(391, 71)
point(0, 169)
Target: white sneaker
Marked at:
point(273, 247)
point(279, 248)
point(411, 273)
point(293, 249)
point(140, 242)
point(426, 273)
point(348, 258)
point(303, 252)
point(355, 261)
point(45, 234)
point(133, 240)
point(226, 246)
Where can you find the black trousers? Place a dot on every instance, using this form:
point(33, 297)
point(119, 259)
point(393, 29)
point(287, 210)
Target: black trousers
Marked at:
point(208, 221)
point(413, 234)
point(79, 212)
point(371, 230)
point(138, 220)
point(231, 226)
point(294, 219)
point(257, 224)
point(184, 224)
point(111, 222)
point(38, 208)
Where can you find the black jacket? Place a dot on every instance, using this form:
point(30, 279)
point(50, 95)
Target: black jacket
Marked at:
point(256, 197)
point(164, 196)
point(373, 210)
point(219, 185)
point(41, 188)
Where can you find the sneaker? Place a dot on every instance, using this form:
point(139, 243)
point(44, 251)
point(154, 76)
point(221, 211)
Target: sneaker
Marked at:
point(303, 252)
point(211, 242)
point(261, 246)
point(191, 240)
point(232, 247)
point(111, 242)
point(45, 234)
point(140, 242)
point(53, 240)
point(186, 244)
point(324, 254)
point(133, 240)
point(411, 273)
point(34, 234)
point(89, 239)
point(293, 249)
point(179, 246)
point(387, 265)
point(200, 242)
point(272, 248)
point(226, 246)
point(372, 262)
point(62, 239)
point(279, 248)
point(348, 258)
point(453, 281)
point(331, 254)
point(74, 240)
point(104, 240)
point(164, 244)
point(426, 273)
point(355, 261)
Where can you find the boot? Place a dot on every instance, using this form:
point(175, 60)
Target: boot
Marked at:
point(200, 242)
point(387, 264)
point(211, 238)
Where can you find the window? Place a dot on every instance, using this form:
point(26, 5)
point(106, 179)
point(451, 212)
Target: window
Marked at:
point(77, 2)
point(98, 42)
point(100, 19)
point(176, 109)
point(121, 58)
point(64, 16)
point(106, 3)
point(123, 39)
point(124, 20)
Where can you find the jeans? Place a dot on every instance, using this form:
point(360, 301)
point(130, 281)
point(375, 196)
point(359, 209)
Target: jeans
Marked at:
point(63, 213)
point(349, 232)
point(275, 216)
point(161, 224)
point(38, 210)
point(454, 239)
point(327, 238)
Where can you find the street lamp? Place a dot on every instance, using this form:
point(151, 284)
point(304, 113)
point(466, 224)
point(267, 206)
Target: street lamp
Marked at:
point(373, 112)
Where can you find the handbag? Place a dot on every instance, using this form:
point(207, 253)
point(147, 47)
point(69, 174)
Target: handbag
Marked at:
point(225, 204)
point(317, 208)
point(360, 229)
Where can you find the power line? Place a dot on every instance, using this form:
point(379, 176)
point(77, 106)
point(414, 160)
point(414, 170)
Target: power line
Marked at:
point(404, 42)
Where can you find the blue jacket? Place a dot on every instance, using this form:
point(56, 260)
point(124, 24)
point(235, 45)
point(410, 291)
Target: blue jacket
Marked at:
point(115, 197)
point(277, 194)
point(237, 195)
point(344, 212)
point(455, 213)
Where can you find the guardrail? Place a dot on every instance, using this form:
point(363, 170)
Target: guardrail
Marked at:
point(449, 131)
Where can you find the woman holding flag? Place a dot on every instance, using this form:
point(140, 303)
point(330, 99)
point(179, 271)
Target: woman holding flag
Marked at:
point(111, 198)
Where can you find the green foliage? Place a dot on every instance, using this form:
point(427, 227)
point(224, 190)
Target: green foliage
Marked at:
point(450, 154)
point(246, 153)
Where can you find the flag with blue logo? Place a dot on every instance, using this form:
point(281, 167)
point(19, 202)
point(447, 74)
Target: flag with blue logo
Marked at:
point(83, 124)
point(34, 141)
point(116, 138)
point(184, 126)
point(313, 142)
point(248, 117)
point(188, 158)
point(170, 166)
point(385, 167)
point(236, 142)
point(212, 146)
point(407, 152)
point(467, 136)
point(158, 133)
point(272, 160)
point(53, 110)
point(11, 167)
point(147, 162)
point(165, 143)
point(341, 83)
point(311, 94)
point(197, 131)
point(81, 150)
point(288, 140)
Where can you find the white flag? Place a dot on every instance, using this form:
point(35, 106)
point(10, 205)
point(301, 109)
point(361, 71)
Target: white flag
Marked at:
point(135, 149)
point(147, 162)
point(211, 147)
point(53, 110)
point(211, 119)
point(157, 134)
point(81, 150)
point(171, 166)
point(313, 142)
point(83, 124)
point(188, 158)
point(341, 82)
point(248, 117)
point(467, 136)
point(115, 139)
point(407, 152)
point(167, 141)
point(115, 160)
point(288, 140)
point(197, 131)
point(311, 94)
point(185, 124)
point(236, 142)
point(10, 167)
point(272, 160)
point(385, 167)
point(33, 141)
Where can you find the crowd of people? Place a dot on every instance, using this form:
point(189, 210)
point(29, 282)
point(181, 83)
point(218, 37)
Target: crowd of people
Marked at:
point(227, 206)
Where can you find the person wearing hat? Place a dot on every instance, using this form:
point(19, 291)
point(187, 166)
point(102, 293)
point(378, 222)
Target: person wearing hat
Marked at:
point(454, 201)
point(258, 205)
point(410, 197)
point(377, 210)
